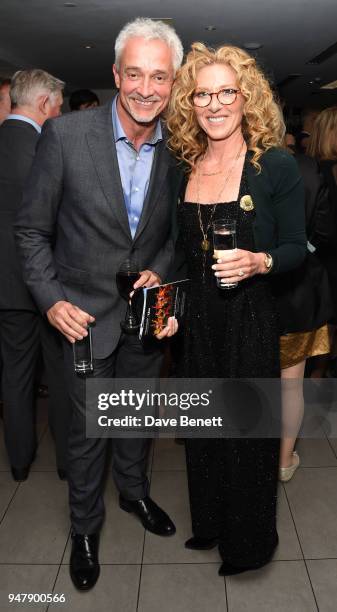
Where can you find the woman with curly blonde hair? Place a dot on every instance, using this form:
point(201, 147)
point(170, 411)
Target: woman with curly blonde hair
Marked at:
point(226, 129)
point(262, 123)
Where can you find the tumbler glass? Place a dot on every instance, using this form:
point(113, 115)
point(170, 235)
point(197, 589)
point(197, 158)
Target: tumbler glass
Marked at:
point(82, 349)
point(224, 241)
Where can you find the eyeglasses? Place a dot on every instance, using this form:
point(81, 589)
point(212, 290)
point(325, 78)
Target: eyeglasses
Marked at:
point(224, 96)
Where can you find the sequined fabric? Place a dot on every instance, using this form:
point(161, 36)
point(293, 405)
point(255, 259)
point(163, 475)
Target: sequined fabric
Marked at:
point(230, 333)
point(298, 346)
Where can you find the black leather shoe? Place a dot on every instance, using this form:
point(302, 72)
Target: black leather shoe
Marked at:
point(201, 543)
point(152, 517)
point(226, 569)
point(20, 474)
point(84, 566)
point(62, 474)
point(229, 570)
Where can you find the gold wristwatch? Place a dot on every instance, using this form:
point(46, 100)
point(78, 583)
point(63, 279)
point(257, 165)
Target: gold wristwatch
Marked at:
point(268, 262)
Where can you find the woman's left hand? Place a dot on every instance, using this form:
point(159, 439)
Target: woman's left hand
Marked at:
point(238, 265)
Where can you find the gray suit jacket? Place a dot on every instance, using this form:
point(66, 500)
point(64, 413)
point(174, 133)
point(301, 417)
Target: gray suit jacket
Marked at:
point(72, 229)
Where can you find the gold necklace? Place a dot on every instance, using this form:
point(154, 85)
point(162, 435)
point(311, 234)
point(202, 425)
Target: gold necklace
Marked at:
point(218, 172)
point(205, 243)
point(210, 173)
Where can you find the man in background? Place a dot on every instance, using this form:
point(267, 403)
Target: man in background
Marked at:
point(302, 138)
point(5, 109)
point(81, 99)
point(5, 101)
point(35, 97)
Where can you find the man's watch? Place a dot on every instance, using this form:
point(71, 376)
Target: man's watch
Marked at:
point(268, 262)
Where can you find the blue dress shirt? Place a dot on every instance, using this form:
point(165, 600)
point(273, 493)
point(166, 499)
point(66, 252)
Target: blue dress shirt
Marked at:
point(26, 119)
point(134, 168)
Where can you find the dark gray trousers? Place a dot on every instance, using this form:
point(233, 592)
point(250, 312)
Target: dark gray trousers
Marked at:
point(24, 334)
point(87, 456)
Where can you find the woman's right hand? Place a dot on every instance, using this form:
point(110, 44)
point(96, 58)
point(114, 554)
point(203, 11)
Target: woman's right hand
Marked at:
point(170, 329)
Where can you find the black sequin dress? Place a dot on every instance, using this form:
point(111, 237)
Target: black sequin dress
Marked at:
point(230, 334)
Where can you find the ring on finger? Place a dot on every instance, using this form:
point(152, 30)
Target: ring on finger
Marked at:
point(241, 272)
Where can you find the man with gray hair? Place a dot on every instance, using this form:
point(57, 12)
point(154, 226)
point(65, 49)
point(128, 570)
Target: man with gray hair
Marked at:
point(102, 191)
point(36, 96)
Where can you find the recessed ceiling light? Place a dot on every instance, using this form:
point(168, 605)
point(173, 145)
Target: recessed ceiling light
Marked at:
point(70, 4)
point(167, 20)
point(332, 85)
point(252, 46)
point(89, 46)
point(210, 28)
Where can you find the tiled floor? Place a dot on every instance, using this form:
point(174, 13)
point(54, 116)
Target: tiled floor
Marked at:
point(144, 573)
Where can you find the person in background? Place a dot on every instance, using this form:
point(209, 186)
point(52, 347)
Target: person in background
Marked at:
point(5, 100)
point(323, 147)
point(5, 109)
point(302, 138)
point(290, 142)
point(35, 97)
point(305, 307)
point(226, 127)
point(81, 99)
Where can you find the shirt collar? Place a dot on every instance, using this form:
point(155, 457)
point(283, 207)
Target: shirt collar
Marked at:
point(26, 119)
point(119, 133)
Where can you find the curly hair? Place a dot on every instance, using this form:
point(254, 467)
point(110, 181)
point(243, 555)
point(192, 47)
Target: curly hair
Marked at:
point(262, 122)
point(323, 140)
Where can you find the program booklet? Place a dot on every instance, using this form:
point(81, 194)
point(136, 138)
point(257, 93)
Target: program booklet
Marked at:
point(155, 305)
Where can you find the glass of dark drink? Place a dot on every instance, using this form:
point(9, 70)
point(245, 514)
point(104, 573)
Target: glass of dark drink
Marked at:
point(126, 277)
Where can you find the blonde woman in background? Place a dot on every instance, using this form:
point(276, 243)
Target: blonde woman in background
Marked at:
point(323, 147)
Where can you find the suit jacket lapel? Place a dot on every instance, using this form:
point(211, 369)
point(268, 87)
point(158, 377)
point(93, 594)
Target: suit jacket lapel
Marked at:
point(101, 143)
point(159, 171)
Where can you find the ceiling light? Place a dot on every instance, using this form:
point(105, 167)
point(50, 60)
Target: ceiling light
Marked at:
point(167, 20)
point(210, 28)
point(252, 46)
point(324, 55)
point(88, 46)
point(70, 4)
point(332, 85)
